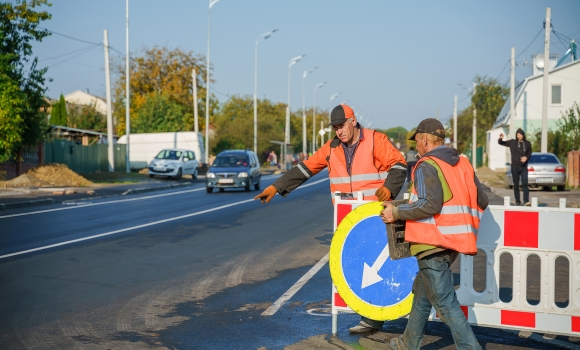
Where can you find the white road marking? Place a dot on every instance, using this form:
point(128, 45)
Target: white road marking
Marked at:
point(103, 203)
point(143, 225)
point(84, 205)
point(296, 287)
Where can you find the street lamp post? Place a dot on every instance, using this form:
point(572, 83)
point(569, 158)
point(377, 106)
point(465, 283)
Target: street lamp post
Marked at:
point(293, 61)
point(207, 93)
point(314, 116)
point(127, 99)
point(304, 141)
point(261, 38)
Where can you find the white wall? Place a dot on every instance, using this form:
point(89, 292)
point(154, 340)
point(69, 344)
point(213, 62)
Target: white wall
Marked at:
point(497, 155)
point(529, 103)
point(85, 99)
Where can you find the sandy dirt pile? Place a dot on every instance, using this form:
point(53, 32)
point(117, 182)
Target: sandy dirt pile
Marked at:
point(489, 177)
point(49, 175)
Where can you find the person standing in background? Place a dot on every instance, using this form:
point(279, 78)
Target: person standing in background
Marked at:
point(521, 151)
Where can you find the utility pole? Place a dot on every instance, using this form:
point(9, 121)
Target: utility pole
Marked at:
point(455, 123)
point(110, 137)
point(474, 131)
point(546, 83)
point(195, 116)
point(127, 99)
point(512, 91)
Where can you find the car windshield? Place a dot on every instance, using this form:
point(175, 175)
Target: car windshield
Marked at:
point(544, 158)
point(169, 154)
point(231, 161)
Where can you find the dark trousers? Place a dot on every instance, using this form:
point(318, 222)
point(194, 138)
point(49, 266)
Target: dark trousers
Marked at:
point(522, 171)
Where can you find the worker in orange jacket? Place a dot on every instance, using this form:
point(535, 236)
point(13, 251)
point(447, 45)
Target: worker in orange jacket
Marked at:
point(358, 160)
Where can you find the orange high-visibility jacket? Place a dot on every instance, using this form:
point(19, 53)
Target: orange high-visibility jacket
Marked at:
point(375, 154)
point(364, 176)
point(455, 227)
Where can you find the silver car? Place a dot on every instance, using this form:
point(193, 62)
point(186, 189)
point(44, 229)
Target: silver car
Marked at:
point(544, 170)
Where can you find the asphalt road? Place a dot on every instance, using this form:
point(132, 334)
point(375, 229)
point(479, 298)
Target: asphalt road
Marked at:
point(183, 269)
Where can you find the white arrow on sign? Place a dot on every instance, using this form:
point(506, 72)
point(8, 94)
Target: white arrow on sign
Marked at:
point(371, 273)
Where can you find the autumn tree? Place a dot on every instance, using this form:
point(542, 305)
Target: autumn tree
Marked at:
point(160, 82)
point(22, 105)
point(489, 98)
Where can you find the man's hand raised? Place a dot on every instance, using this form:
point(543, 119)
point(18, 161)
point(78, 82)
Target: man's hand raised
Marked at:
point(267, 195)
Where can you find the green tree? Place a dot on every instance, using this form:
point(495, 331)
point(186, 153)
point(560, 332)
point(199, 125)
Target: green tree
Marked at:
point(87, 117)
point(488, 100)
point(234, 125)
point(158, 77)
point(569, 126)
point(397, 134)
point(160, 113)
point(23, 108)
point(59, 115)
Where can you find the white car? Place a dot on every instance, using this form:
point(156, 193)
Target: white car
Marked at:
point(174, 162)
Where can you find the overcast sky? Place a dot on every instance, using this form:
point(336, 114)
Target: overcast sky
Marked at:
point(396, 63)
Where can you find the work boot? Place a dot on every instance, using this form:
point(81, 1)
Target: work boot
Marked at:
point(362, 327)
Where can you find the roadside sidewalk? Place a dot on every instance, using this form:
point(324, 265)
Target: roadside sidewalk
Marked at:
point(28, 197)
point(13, 198)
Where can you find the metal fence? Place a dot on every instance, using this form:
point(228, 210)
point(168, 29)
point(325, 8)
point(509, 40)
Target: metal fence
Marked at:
point(83, 159)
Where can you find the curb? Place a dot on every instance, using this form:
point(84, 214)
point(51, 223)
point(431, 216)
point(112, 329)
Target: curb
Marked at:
point(24, 204)
point(36, 202)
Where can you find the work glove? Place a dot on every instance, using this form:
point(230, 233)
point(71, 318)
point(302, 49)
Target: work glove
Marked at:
point(383, 194)
point(267, 195)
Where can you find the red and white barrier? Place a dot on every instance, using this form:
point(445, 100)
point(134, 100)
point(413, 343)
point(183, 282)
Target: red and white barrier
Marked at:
point(548, 233)
point(341, 208)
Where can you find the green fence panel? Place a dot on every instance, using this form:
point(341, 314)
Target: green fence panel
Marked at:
point(478, 154)
point(83, 159)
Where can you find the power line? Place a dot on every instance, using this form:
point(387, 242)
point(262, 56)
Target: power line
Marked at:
point(530, 44)
point(561, 42)
point(562, 34)
point(65, 54)
point(504, 67)
point(72, 38)
point(70, 58)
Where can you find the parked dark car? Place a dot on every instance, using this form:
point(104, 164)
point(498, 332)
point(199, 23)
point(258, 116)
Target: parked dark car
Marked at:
point(234, 169)
point(544, 170)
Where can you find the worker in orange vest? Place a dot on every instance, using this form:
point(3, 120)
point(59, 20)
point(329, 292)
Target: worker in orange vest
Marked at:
point(358, 160)
point(441, 217)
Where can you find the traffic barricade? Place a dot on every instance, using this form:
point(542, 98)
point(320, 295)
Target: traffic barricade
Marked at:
point(548, 237)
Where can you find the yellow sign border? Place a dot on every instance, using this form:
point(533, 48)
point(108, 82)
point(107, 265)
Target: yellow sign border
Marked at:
point(361, 307)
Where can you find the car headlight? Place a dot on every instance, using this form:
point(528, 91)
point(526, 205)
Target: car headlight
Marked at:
point(243, 174)
point(210, 175)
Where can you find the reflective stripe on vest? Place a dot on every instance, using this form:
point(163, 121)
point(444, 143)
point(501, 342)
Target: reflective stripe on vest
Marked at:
point(364, 177)
point(456, 226)
point(361, 177)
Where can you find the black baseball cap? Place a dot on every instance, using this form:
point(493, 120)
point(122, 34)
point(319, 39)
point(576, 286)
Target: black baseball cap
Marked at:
point(429, 126)
point(340, 114)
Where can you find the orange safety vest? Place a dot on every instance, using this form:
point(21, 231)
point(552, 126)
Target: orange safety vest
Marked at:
point(364, 176)
point(455, 227)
